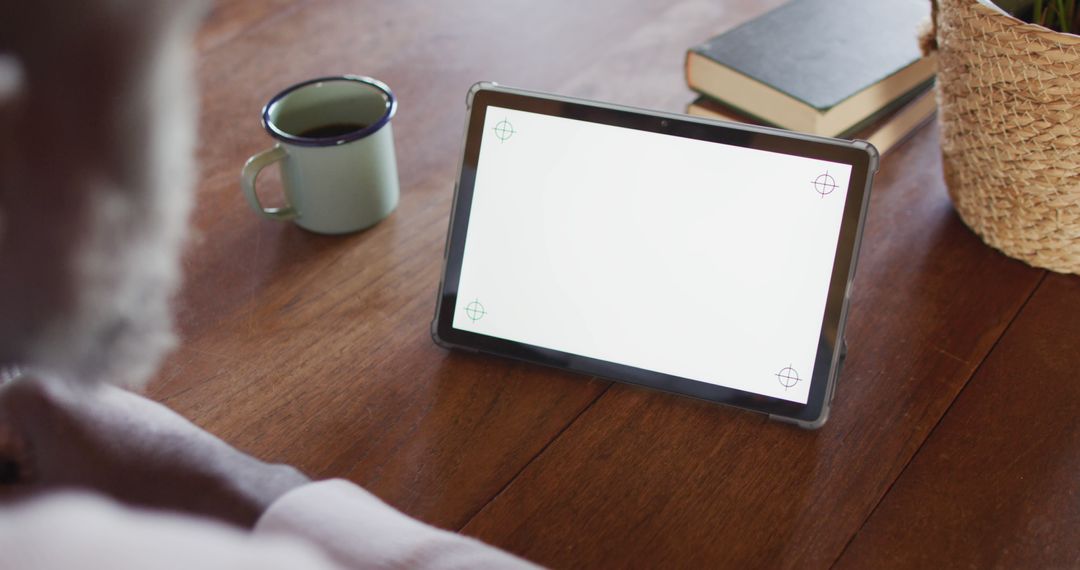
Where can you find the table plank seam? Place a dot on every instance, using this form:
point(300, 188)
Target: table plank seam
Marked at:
point(536, 456)
point(930, 433)
point(295, 6)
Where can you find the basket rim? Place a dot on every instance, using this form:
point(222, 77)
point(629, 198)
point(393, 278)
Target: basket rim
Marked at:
point(1065, 38)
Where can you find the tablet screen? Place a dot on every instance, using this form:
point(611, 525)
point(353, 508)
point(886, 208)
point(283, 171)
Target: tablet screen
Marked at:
point(692, 258)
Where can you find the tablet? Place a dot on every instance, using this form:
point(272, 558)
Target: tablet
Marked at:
point(693, 256)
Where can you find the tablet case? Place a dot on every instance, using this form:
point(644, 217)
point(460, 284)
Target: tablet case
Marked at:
point(839, 356)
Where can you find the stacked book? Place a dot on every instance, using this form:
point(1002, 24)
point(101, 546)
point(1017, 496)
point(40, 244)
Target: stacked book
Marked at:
point(837, 68)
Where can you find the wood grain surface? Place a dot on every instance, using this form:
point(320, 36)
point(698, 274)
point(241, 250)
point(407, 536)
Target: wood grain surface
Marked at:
point(996, 483)
point(316, 351)
point(747, 492)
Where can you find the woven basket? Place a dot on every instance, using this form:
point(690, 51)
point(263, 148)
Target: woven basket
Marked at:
point(1009, 104)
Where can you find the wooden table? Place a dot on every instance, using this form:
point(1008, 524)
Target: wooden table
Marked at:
point(954, 438)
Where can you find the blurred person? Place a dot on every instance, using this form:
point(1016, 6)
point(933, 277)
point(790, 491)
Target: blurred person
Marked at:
point(97, 120)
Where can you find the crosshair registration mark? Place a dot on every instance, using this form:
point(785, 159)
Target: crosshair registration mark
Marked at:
point(824, 184)
point(475, 311)
point(503, 130)
point(788, 377)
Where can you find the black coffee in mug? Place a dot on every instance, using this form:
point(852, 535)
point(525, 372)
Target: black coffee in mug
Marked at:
point(335, 146)
point(332, 130)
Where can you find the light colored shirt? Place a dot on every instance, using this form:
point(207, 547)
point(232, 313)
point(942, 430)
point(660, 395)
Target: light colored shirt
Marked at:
point(331, 525)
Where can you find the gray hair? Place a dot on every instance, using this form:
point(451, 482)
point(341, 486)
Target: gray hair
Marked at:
point(97, 119)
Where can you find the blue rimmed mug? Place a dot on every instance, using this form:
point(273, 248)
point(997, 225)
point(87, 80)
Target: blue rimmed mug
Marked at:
point(335, 148)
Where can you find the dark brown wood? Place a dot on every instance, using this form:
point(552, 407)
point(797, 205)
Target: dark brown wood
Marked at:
point(644, 479)
point(995, 485)
point(228, 19)
point(315, 350)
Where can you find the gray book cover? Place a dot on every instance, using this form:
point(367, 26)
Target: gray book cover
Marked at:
point(823, 51)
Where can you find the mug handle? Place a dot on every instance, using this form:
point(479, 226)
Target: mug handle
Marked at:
point(251, 170)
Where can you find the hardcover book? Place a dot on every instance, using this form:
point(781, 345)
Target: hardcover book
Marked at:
point(884, 130)
point(816, 66)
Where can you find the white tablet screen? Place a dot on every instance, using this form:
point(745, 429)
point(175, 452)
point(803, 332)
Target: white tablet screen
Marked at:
point(691, 258)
